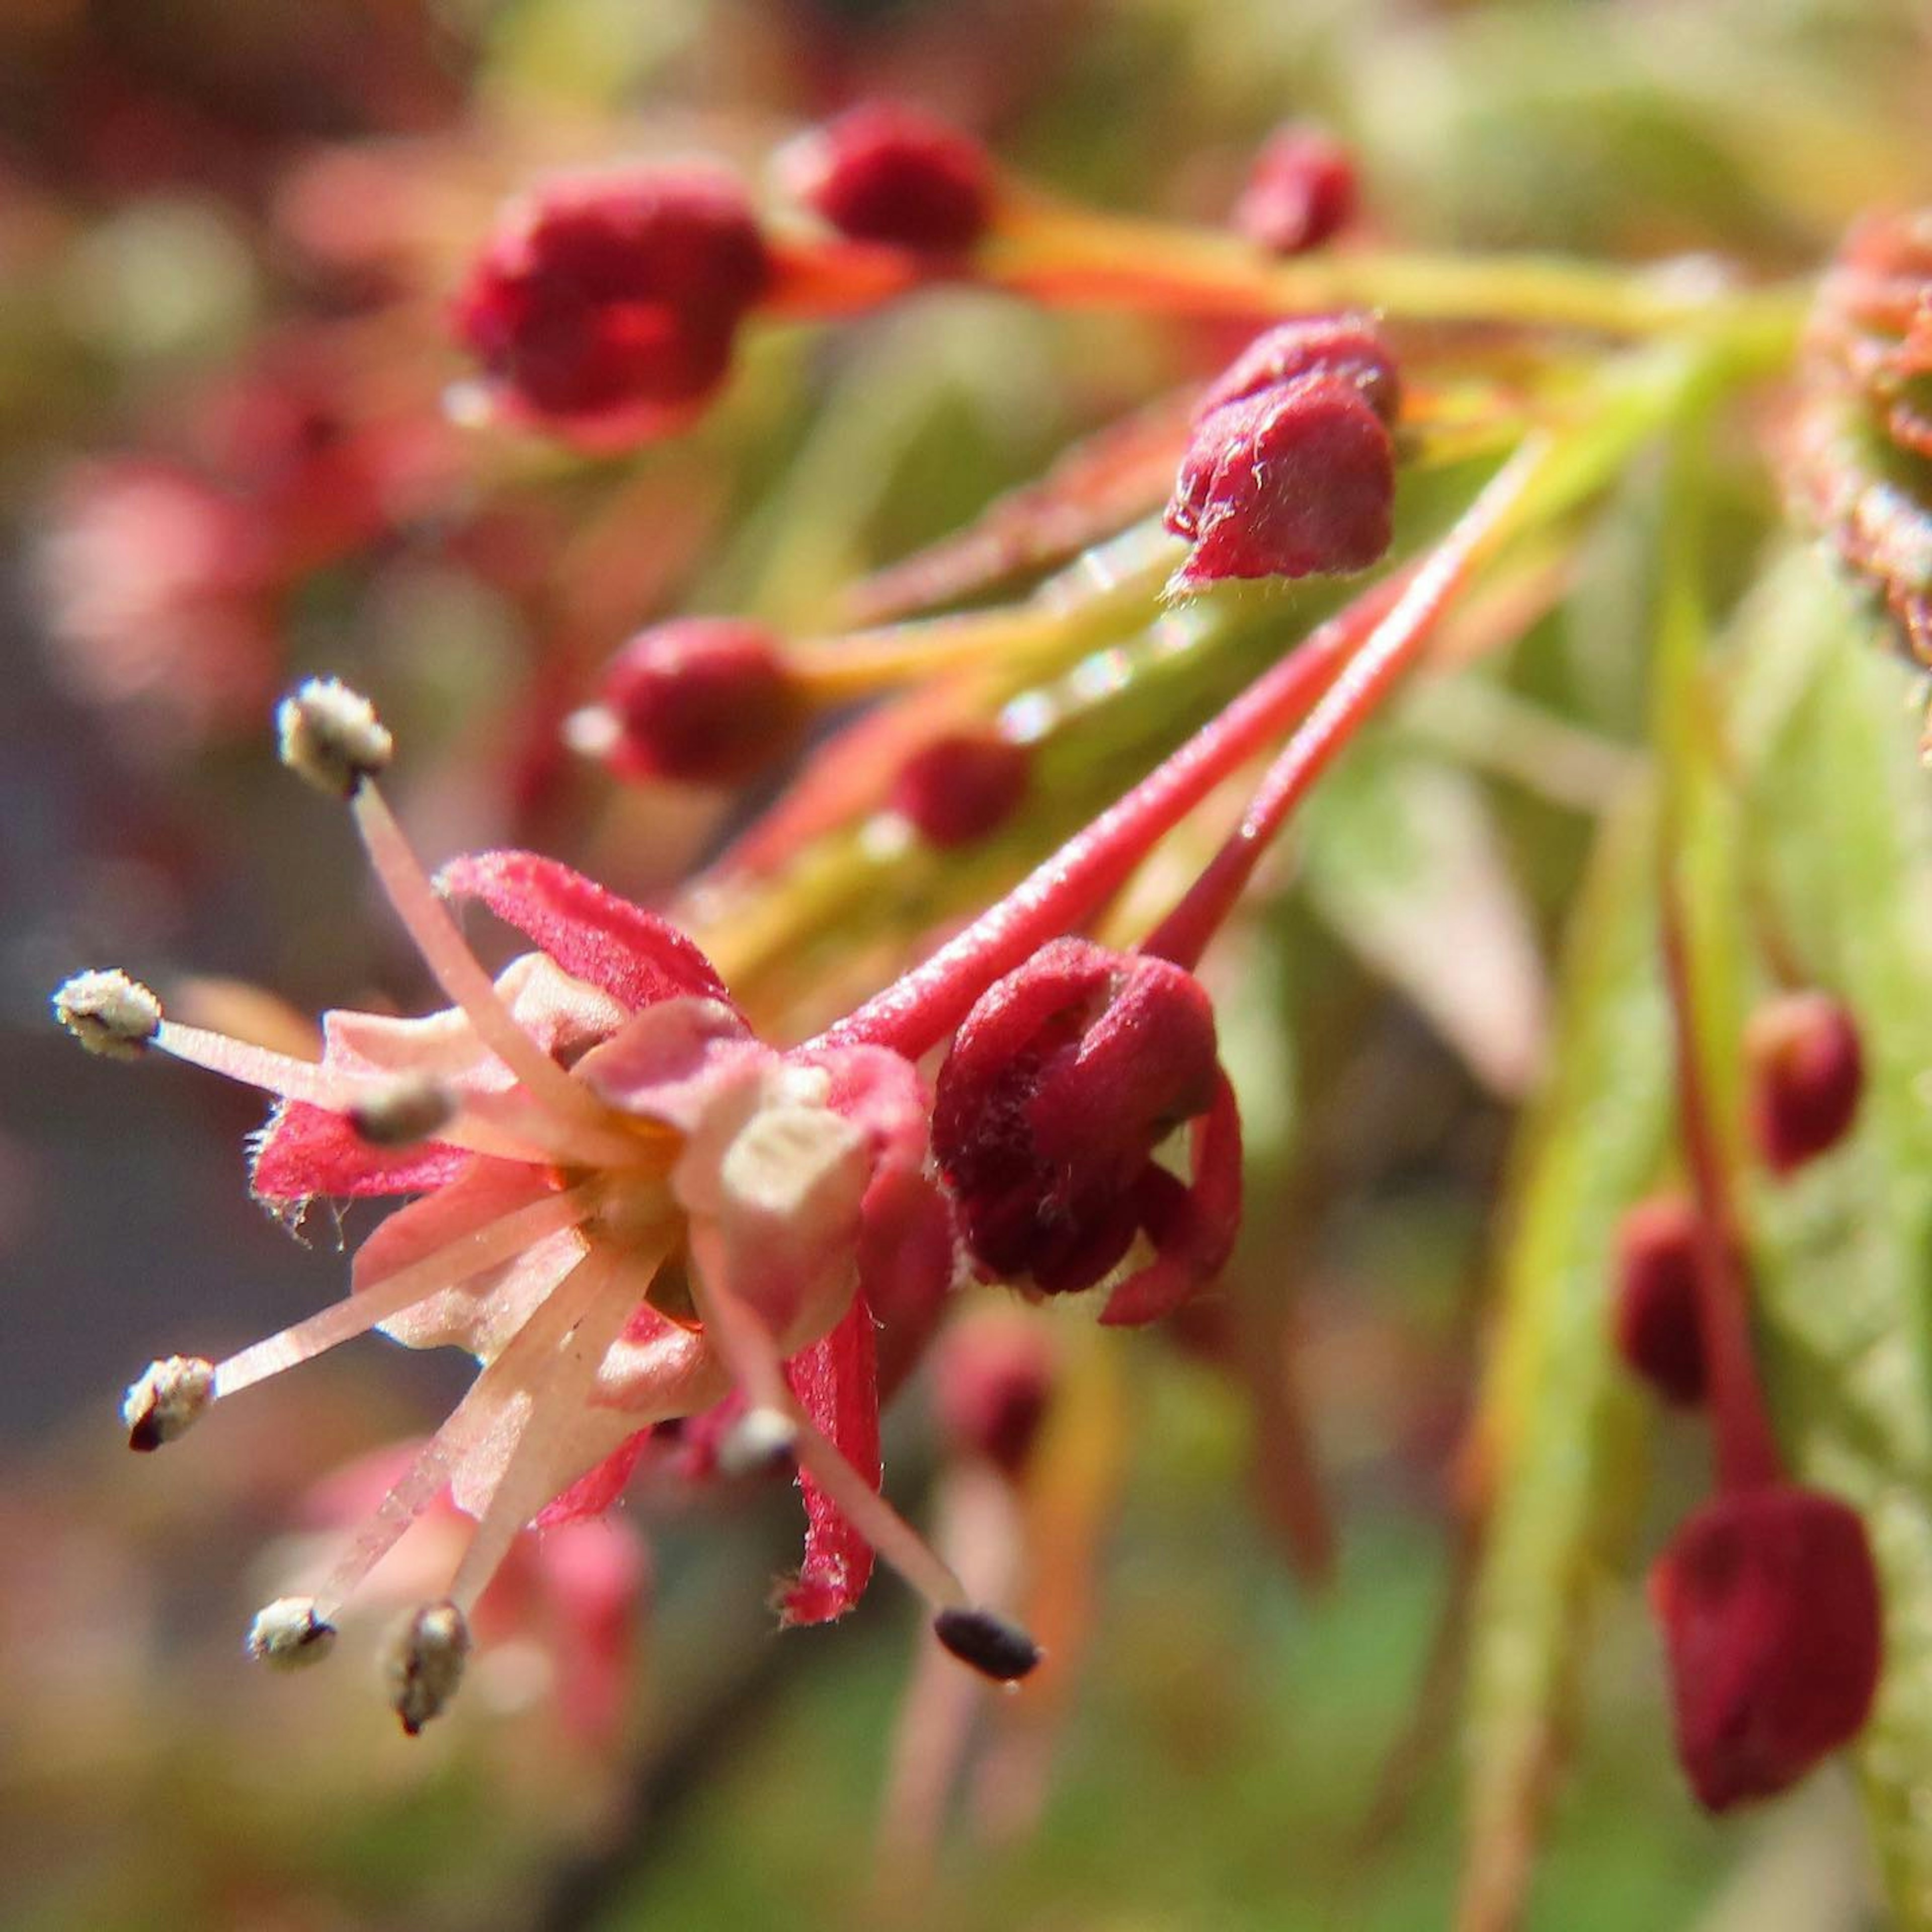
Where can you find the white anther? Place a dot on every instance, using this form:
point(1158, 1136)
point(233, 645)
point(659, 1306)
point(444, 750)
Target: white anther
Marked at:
point(761, 1439)
point(415, 1107)
point(109, 1013)
point(425, 1665)
point(167, 1400)
point(330, 736)
point(290, 1633)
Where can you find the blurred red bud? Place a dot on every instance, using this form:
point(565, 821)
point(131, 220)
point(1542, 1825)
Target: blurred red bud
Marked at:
point(962, 787)
point(1806, 1075)
point(883, 171)
point(993, 1376)
point(1300, 191)
point(1656, 1307)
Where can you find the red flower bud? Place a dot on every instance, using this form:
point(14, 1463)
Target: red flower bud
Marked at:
point(1657, 1329)
point(1348, 345)
point(1300, 191)
point(1770, 1612)
point(1060, 1084)
point(993, 1377)
point(961, 787)
point(1296, 480)
point(604, 305)
point(1806, 1075)
point(702, 700)
point(883, 171)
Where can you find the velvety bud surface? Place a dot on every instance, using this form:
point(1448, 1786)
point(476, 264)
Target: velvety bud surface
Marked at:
point(1347, 345)
point(1769, 1607)
point(1302, 190)
point(886, 172)
point(1655, 1310)
point(701, 700)
point(961, 787)
point(1807, 1076)
point(605, 305)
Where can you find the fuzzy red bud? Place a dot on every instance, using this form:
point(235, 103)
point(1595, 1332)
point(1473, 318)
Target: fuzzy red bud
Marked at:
point(1347, 345)
point(1769, 1607)
point(700, 700)
point(886, 172)
point(1806, 1075)
point(1301, 190)
point(962, 787)
point(604, 305)
point(1656, 1307)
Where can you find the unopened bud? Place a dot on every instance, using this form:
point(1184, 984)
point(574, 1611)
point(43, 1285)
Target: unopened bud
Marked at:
point(415, 1109)
point(993, 1646)
point(167, 1400)
point(109, 1013)
point(1657, 1325)
point(761, 1440)
point(882, 172)
point(331, 737)
point(1807, 1076)
point(426, 1663)
point(700, 700)
point(1350, 347)
point(1300, 191)
point(289, 1634)
point(993, 1376)
point(962, 787)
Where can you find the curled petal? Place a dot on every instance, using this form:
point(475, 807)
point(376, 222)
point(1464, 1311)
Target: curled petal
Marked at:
point(836, 1381)
point(304, 1151)
point(592, 933)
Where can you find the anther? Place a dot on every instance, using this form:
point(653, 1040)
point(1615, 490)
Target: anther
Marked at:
point(109, 1013)
point(414, 1109)
point(425, 1665)
point(990, 1645)
point(330, 736)
point(763, 1439)
point(290, 1633)
point(167, 1400)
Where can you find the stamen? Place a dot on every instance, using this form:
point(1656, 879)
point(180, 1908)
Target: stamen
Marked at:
point(485, 1247)
point(109, 1013)
point(415, 1109)
point(425, 1664)
point(993, 1646)
point(166, 1401)
point(331, 737)
point(289, 1634)
point(760, 1441)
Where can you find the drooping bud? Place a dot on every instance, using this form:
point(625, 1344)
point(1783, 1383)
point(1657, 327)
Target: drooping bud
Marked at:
point(992, 1378)
point(886, 172)
point(605, 304)
point(1770, 1611)
point(1656, 1305)
point(700, 700)
point(1060, 1084)
point(1350, 347)
point(990, 1644)
point(1806, 1075)
point(1300, 191)
point(330, 737)
point(1295, 481)
point(290, 1634)
point(962, 787)
point(109, 1013)
point(426, 1663)
point(167, 1400)
point(414, 1108)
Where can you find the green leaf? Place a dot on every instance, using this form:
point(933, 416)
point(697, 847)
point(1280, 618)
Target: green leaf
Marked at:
point(1841, 825)
point(1560, 1424)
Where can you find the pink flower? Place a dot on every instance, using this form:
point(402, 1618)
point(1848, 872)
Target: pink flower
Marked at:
point(605, 306)
point(630, 1207)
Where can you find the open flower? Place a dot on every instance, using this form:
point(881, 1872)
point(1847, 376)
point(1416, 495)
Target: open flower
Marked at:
point(630, 1207)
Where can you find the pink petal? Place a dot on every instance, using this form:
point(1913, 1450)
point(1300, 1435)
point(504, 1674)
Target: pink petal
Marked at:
point(305, 1150)
point(592, 1494)
point(837, 1382)
point(633, 955)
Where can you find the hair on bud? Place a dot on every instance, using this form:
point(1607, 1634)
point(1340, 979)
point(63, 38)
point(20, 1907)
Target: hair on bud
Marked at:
point(167, 1400)
point(1657, 1325)
point(1349, 347)
point(886, 172)
point(289, 1634)
point(109, 1013)
point(426, 1663)
point(1807, 1076)
point(990, 1644)
point(415, 1108)
point(1301, 190)
point(330, 736)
